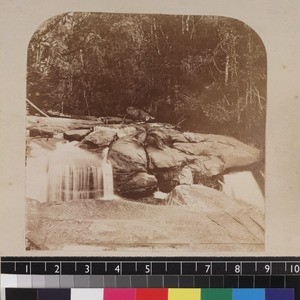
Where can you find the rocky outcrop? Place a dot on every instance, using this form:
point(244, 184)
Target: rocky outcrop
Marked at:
point(181, 158)
point(76, 135)
point(232, 152)
point(156, 149)
point(101, 138)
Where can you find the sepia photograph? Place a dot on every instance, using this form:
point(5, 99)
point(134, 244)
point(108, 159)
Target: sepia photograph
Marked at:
point(145, 132)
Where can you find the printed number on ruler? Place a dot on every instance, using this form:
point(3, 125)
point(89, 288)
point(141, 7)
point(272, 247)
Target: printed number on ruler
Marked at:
point(263, 268)
point(237, 269)
point(267, 268)
point(143, 268)
point(87, 269)
point(118, 269)
point(147, 269)
point(204, 268)
point(56, 269)
point(294, 269)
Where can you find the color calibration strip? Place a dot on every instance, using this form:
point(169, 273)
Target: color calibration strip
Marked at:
point(36, 275)
point(149, 294)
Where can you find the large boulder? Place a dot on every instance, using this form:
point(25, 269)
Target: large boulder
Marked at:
point(129, 161)
point(232, 152)
point(101, 138)
point(207, 166)
point(164, 158)
point(76, 135)
point(142, 184)
point(200, 197)
point(244, 221)
point(127, 156)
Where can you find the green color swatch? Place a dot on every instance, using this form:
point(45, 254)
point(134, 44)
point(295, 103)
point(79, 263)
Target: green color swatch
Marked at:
point(216, 294)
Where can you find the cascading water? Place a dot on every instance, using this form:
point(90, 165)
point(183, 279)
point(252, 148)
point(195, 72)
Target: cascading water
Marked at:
point(243, 186)
point(71, 173)
point(108, 183)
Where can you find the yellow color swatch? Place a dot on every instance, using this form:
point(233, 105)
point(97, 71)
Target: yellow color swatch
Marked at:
point(184, 294)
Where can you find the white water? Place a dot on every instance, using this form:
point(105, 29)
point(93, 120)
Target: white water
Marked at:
point(243, 186)
point(108, 183)
point(68, 173)
point(36, 173)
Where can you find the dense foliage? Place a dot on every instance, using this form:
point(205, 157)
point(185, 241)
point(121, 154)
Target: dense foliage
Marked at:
point(204, 73)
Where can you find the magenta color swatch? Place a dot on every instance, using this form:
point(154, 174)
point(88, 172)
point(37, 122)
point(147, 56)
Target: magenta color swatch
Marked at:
point(119, 294)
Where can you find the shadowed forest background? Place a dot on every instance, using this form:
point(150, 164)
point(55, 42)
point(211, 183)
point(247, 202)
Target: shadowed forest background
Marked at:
point(203, 73)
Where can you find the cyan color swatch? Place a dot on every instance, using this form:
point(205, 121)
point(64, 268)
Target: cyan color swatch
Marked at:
point(248, 294)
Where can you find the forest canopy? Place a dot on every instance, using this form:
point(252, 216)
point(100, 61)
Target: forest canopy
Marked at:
point(204, 73)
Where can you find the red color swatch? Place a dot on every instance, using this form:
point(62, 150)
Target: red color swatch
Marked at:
point(151, 294)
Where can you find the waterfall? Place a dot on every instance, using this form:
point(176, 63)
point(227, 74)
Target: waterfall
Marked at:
point(243, 186)
point(76, 174)
point(108, 183)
